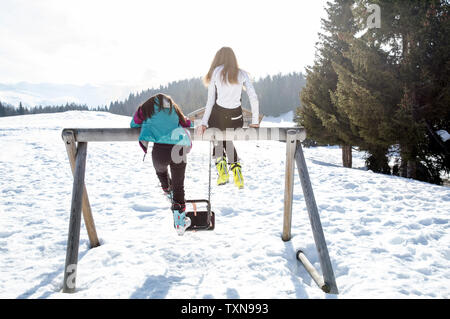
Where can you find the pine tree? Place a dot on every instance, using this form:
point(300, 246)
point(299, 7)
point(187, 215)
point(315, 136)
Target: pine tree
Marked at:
point(316, 113)
point(368, 93)
point(415, 36)
point(319, 114)
point(21, 110)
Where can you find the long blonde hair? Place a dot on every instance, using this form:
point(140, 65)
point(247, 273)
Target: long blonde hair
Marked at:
point(230, 70)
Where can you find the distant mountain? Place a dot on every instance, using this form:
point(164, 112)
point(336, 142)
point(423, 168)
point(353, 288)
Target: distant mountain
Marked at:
point(31, 94)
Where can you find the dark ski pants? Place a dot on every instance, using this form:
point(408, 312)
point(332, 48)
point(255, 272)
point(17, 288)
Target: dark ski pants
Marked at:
point(223, 118)
point(226, 149)
point(162, 160)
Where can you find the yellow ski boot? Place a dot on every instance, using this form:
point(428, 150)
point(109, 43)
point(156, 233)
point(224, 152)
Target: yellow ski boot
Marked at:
point(222, 170)
point(237, 172)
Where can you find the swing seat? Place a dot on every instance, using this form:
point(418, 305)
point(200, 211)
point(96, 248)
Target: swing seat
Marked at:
point(200, 219)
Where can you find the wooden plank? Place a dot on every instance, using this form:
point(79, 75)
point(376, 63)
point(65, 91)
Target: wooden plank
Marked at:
point(73, 240)
point(132, 134)
point(289, 184)
point(314, 219)
point(106, 134)
point(70, 144)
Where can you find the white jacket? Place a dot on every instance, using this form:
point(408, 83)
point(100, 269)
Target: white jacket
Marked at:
point(229, 95)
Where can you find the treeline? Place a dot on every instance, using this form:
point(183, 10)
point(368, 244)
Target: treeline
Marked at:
point(189, 94)
point(9, 110)
point(383, 87)
point(277, 94)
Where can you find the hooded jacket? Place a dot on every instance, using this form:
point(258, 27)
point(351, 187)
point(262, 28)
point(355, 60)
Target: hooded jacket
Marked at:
point(163, 127)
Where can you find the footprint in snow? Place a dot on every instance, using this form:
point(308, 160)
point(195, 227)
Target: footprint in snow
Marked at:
point(350, 186)
point(143, 208)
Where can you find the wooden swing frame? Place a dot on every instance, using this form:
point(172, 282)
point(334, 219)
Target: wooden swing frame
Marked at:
point(76, 141)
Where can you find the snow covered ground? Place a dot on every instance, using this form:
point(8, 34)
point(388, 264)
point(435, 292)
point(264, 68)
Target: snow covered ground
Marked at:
point(388, 237)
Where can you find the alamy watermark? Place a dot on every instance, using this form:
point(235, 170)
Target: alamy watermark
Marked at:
point(374, 19)
point(71, 275)
point(229, 135)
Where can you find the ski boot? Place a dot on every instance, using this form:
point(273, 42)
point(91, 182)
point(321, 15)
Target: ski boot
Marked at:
point(180, 221)
point(222, 170)
point(237, 172)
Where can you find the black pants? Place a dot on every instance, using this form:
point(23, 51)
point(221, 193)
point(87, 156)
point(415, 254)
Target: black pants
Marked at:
point(162, 159)
point(223, 118)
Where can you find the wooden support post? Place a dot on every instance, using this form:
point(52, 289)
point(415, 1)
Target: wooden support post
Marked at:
point(312, 271)
point(73, 240)
point(291, 143)
point(69, 141)
point(314, 219)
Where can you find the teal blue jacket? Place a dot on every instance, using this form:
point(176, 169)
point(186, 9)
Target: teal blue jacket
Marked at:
point(163, 127)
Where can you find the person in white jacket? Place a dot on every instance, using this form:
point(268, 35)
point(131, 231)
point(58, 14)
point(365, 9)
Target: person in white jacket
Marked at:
point(225, 81)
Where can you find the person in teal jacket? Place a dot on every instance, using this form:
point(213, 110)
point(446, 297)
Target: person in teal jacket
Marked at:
point(163, 123)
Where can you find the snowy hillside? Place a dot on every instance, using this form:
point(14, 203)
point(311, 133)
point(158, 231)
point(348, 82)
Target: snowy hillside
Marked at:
point(388, 237)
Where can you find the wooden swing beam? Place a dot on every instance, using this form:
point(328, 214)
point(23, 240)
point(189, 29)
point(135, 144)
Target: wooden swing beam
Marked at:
point(76, 141)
